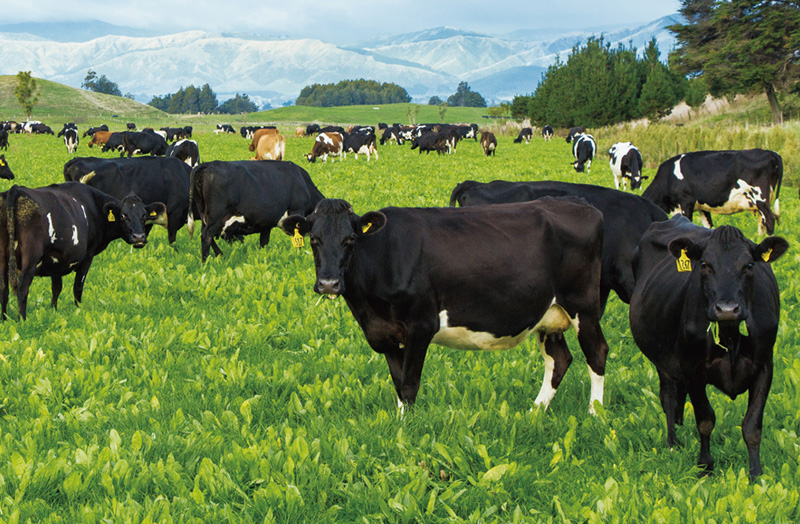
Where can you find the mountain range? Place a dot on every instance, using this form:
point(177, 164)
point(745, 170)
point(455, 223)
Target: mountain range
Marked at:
point(272, 70)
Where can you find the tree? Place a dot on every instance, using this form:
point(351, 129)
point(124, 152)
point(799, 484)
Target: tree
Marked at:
point(238, 104)
point(435, 101)
point(696, 91)
point(465, 97)
point(352, 92)
point(412, 113)
point(100, 84)
point(740, 46)
point(442, 107)
point(26, 92)
point(187, 100)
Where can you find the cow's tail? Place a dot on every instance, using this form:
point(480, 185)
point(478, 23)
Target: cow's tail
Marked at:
point(460, 190)
point(196, 203)
point(11, 223)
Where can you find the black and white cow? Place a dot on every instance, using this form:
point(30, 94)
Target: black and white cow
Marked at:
point(5, 171)
point(526, 133)
point(134, 142)
point(713, 319)
point(4, 139)
point(722, 182)
point(224, 128)
point(360, 143)
point(184, 150)
point(247, 197)
point(575, 131)
point(71, 140)
point(626, 163)
point(583, 149)
point(547, 133)
point(416, 276)
point(391, 134)
point(153, 179)
point(114, 142)
point(625, 219)
point(69, 125)
point(92, 130)
point(58, 229)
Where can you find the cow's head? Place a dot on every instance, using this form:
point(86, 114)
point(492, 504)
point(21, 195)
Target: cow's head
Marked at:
point(5, 171)
point(726, 263)
point(311, 157)
point(132, 215)
point(579, 166)
point(333, 230)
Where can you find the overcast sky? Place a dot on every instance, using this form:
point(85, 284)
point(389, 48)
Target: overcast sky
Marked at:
point(343, 21)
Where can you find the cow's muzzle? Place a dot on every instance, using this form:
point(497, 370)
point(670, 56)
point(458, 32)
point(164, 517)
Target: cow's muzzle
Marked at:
point(728, 311)
point(331, 287)
point(139, 240)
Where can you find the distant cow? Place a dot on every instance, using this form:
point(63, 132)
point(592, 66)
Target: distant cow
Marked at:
point(247, 197)
point(625, 219)
point(626, 163)
point(361, 143)
point(99, 138)
point(481, 278)
point(184, 150)
point(299, 132)
point(583, 149)
point(547, 133)
point(5, 171)
point(92, 130)
point(488, 143)
point(311, 129)
point(526, 133)
point(71, 139)
point(173, 133)
point(333, 129)
point(258, 133)
point(130, 126)
point(115, 142)
point(69, 125)
point(271, 146)
point(575, 131)
point(55, 230)
point(326, 144)
point(430, 141)
point(225, 128)
point(713, 319)
point(4, 139)
point(143, 143)
point(187, 131)
point(722, 182)
point(41, 129)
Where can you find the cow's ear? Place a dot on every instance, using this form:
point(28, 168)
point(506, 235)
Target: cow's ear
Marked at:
point(156, 213)
point(770, 249)
point(295, 223)
point(111, 212)
point(371, 222)
point(644, 177)
point(683, 245)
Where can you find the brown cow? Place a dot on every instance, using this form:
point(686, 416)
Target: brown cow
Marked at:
point(271, 147)
point(100, 138)
point(488, 143)
point(259, 133)
point(327, 144)
point(299, 131)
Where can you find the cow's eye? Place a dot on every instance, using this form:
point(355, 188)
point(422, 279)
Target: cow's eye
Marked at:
point(312, 240)
point(705, 266)
point(750, 266)
point(124, 216)
point(349, 241)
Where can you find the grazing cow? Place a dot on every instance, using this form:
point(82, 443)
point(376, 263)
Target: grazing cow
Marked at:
point(99, 138)
point(689, 322)
point(115, 142)
point(574, 132)
point(333, 129)
point(625, 219)
point(184, 150)
point(391, 134)
point(360, 142)
point(153, 179)
point(326, 144)
point(583, 149)
point(4, 139)
point(451, 137)
point(258, 133)
point(187, 131)
point(130, 126)
point(311, 129)
point(526, 133)
point(547, 133)
point(271, 146)
point(92, 130)
point(722, 182)
point(173, 133)
point(488, 143)
point(40, 129)
point(71, 140)
point(142, 143)
point(299, 132)
point(430, 141)
point(5, 171)
point(626, 163)
point(70, 125)
point(470, 131)
point(247, 197)
point(413, 276)
point(225, 128)
point(55, 230)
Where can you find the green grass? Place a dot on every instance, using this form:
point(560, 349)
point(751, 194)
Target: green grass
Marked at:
point(228, 392)
point(388, 113)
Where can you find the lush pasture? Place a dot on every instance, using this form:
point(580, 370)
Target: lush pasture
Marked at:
point(229, 392)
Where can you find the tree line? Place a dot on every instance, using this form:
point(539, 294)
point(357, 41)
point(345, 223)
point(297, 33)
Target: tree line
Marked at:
point(202, 100)
point(352, 92)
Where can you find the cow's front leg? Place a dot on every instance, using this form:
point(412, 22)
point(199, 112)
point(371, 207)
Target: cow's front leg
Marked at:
point(668, 393)
point(706, 419)
point(80, 279)
point(751, 425)
point(56, 283)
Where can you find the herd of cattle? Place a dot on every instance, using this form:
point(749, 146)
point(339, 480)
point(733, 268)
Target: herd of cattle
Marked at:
point(550, 252)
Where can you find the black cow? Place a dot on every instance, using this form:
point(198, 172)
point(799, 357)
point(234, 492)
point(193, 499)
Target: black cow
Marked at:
point(430, 141)
point(153, 179)
point(143, 143)
point(5, 171)
point(130, 126)
point(41, 129)
point(71, 139)
point(333, 129)
point(526, 133)
point(626, 163)
point(69, 125)
point(311, 129)
point(184, 150)
point(114, 143)
point(92, 130)
point(58, 229)
point(688, 320)
point(625, 219)
point(360, 143)
point(247, 197)
point(173, 133)
point(722, 182)
point(480, 278)
point(575, 131)
point(187, 131)
point(547, 132)
point(4, 139)
point(583, 149)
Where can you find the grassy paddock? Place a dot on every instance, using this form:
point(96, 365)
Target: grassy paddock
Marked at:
point(228, 392)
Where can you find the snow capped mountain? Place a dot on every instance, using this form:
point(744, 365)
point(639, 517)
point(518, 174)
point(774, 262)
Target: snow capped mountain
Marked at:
point(275, 69)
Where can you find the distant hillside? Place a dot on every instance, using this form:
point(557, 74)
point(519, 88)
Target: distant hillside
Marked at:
point(68, 103)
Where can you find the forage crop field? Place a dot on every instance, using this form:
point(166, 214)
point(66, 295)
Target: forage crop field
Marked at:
point(229, 392)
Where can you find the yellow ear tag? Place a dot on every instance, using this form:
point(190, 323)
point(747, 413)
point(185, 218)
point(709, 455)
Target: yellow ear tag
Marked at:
point(765, 255)
point(297, 238)
point(153, 213)
point(111, 216)
point(684, 264)
point(366, 227)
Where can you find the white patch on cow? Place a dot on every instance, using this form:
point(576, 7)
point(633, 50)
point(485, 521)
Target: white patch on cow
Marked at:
point(231, 221)
point(74, 264)
point(84, 213)
point(743, 197)
point(74, 235)
point(54, 260)
point(676, 170)
point(50, 229)
point(325, 139)
point(616, 153)
point(401, 406)
point(284, 217)
point(598, 382)
point(547, 391)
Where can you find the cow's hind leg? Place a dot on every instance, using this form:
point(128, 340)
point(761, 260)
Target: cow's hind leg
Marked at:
point(595, 348)
point(56, 283)
point(557, 359)
point(80, 279)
